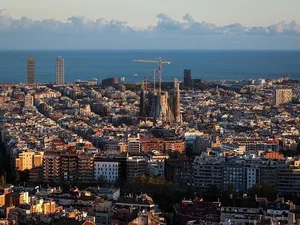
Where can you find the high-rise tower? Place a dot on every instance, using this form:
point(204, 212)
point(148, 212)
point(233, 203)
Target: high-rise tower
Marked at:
point(188, 81)
point(60, 71)
point(143, 110)
point(30, 70)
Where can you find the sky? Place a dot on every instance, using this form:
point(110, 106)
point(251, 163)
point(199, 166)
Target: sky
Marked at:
point(188, 24)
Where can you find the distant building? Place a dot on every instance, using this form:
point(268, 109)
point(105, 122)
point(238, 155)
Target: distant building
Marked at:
point(188, 81)
point(283, 96)
point(30, 70)
point(110, 81)
point(60, 71)
point(28, 102)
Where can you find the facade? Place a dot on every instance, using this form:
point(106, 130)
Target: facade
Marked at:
point(60, 71)
point(51, 167)
point(283, 96)
point(30, 70)
point(28, 101)
point(252, 177)
point(179, 172)
point(85, 168)
point(69, 168)
point(134, 146)
point(188, 81)
point(234, 177)
point(156, 168)
point(107, 170)
point(136, 167)
point(152, 144)
point(28, 160)
point(208, 173)
point(288, 178)
point(122, 164)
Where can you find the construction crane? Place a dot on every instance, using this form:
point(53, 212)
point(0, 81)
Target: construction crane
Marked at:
point(146, 78)
point(158, 61)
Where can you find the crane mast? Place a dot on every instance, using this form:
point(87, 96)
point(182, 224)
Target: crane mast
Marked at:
point(158, 61)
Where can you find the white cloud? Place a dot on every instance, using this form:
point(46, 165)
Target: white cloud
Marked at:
point(120, 32)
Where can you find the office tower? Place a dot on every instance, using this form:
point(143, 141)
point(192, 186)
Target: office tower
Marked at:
point(283, 95)
point(176, 112)
point(28, 102)
point(188, 78)
point(60, 71)
point(30, 70)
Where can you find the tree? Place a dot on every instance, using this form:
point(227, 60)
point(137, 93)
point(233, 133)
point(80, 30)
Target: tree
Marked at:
point(17, 179)
point(264, 190)
point(2, 181)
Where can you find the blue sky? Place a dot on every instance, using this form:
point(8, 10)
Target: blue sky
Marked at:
point(189, 24)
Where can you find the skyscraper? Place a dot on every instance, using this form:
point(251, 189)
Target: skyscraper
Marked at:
point(30, 70)
point(188, 78)
point(60, 70)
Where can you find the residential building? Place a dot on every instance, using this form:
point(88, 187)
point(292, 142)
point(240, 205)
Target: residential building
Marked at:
point(69, 167)
point(208, 173)
point(288, 177)
point(179, 171)
point(28, 160)
point(28, 100)
point(134, 146)
point(51, 167)
point(234, 176)
point(136, 167)
point(283, 96)
point(107, 170)
point(85, 168)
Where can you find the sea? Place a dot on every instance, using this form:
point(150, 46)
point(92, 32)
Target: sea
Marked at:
point(101, 64)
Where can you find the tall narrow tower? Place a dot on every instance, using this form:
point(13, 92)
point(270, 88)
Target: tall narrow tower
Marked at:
point(176, 112)
point(60, 70)
point(30, 70)
point(143, 102)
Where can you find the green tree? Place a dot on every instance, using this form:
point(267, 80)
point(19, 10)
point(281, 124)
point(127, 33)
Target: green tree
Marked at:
point(2, 181)
point(17, 178)
point(264, 190)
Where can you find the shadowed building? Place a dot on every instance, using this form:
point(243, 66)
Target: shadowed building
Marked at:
point(188, 77)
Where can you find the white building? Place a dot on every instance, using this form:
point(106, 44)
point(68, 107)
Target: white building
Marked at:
point(107, 170)
point(60, 71)
point(28, 102)
point(156, 167)
point(252, 177)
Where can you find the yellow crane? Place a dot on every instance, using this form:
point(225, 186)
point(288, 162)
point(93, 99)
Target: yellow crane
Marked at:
point(158, 61)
